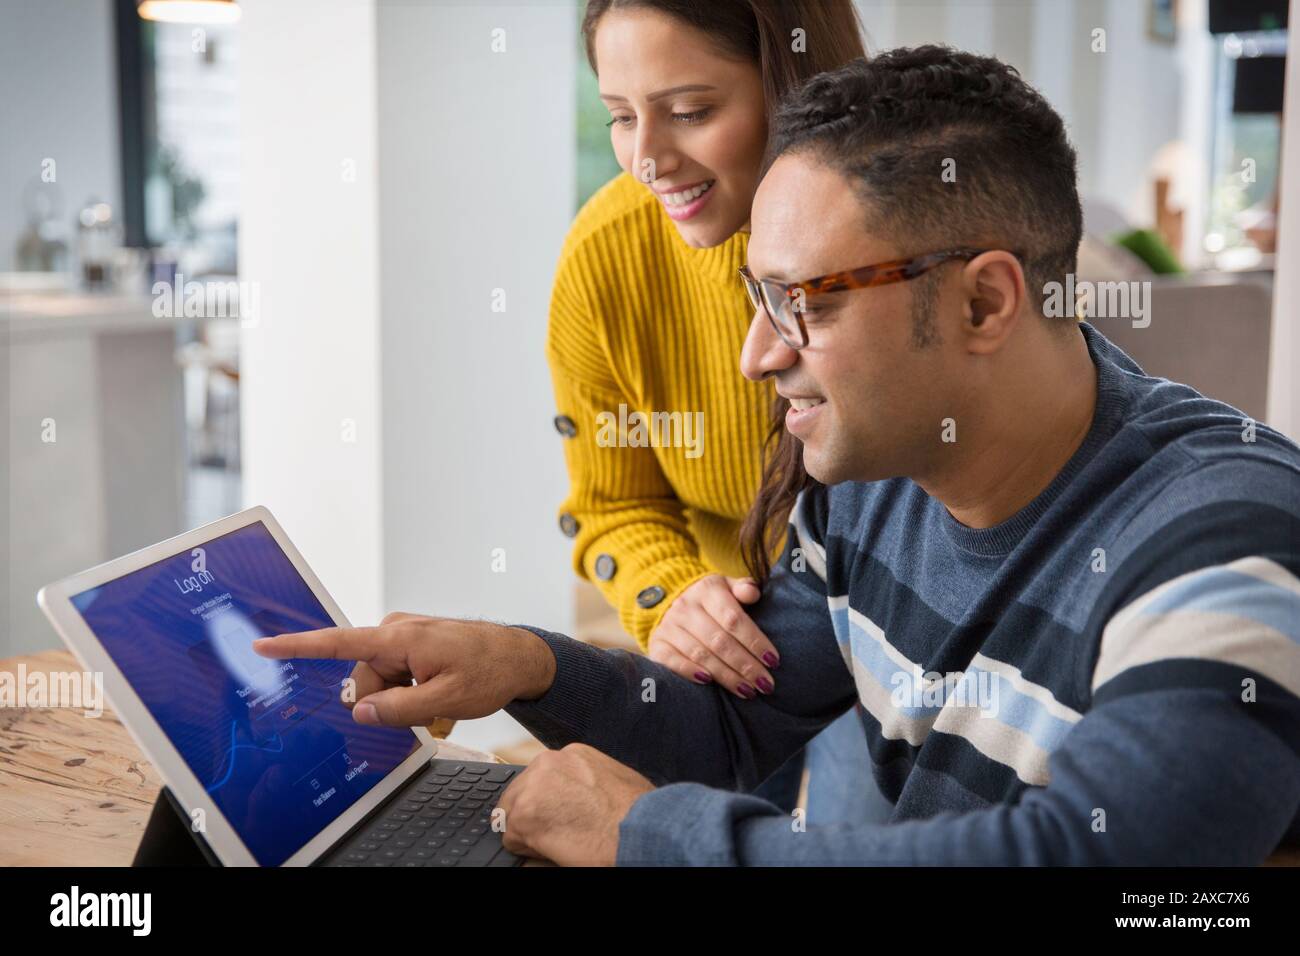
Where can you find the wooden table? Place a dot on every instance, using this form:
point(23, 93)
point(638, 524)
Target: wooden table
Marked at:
point(76, 791)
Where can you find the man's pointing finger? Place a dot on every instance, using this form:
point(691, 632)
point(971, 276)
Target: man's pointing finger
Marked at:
point(328, 643)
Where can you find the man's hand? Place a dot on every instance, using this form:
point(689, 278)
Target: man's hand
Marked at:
point(461, 669)
point(567, 806)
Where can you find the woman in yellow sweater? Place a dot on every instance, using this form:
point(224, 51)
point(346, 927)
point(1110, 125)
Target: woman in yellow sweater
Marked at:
point(662, 436)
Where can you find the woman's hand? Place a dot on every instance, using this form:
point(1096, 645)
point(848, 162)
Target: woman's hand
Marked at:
point(706, 636)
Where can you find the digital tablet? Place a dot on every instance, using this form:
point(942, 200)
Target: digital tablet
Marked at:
point(263, 754)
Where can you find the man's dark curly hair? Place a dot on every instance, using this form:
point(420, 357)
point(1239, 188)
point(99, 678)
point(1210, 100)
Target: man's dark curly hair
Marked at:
point(889, 123)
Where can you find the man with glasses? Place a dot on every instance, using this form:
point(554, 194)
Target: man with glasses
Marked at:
point(1061, 595)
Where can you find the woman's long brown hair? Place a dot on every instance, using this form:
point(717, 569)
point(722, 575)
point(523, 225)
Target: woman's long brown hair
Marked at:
point(762, 32)
point(763, 530)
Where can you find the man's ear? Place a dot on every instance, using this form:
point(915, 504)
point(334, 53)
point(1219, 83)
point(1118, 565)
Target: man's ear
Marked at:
point(993, 293)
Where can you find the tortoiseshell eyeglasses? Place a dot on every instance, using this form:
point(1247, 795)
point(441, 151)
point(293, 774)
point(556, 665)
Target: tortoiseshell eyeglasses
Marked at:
point(784, 301)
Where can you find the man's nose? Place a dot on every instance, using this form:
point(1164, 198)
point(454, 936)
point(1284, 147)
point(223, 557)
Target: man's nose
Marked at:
point(764, 353)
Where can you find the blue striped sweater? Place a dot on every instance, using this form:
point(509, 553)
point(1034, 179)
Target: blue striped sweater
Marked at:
point(1111, 676)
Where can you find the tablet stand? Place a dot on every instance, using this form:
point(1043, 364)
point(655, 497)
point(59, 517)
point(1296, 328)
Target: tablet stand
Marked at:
point(169, 840)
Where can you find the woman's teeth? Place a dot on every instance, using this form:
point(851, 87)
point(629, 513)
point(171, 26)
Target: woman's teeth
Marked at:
point(688, 195)
point(803, 404)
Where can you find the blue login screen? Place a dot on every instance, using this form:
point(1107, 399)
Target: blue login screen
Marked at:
point(271, 741)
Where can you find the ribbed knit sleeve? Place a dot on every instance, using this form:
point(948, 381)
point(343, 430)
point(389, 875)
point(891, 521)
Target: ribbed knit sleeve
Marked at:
point(620, 504)
point(640, 323)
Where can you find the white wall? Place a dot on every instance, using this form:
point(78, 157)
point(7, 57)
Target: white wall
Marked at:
point(1140, 100)
point(377, 292)
point(58, 99)
point(310, 238)
point(477, 185)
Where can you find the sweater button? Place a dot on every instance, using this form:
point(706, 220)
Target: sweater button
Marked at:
point(569, 525)
point(605, 567)
point(651, 596)
point(564, 425)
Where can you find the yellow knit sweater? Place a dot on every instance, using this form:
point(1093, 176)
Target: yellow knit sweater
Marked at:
point(640, 319)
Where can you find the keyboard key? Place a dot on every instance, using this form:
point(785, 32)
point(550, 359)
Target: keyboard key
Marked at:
point(482, 853)
point(444, 819)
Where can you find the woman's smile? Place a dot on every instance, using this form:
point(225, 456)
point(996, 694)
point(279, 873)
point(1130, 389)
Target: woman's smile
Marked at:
point(683, 204)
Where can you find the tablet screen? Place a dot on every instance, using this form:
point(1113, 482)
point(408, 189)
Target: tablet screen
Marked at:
point(271, 741)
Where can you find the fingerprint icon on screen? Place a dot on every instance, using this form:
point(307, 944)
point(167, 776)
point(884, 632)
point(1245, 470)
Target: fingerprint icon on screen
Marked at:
point(232, 636)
